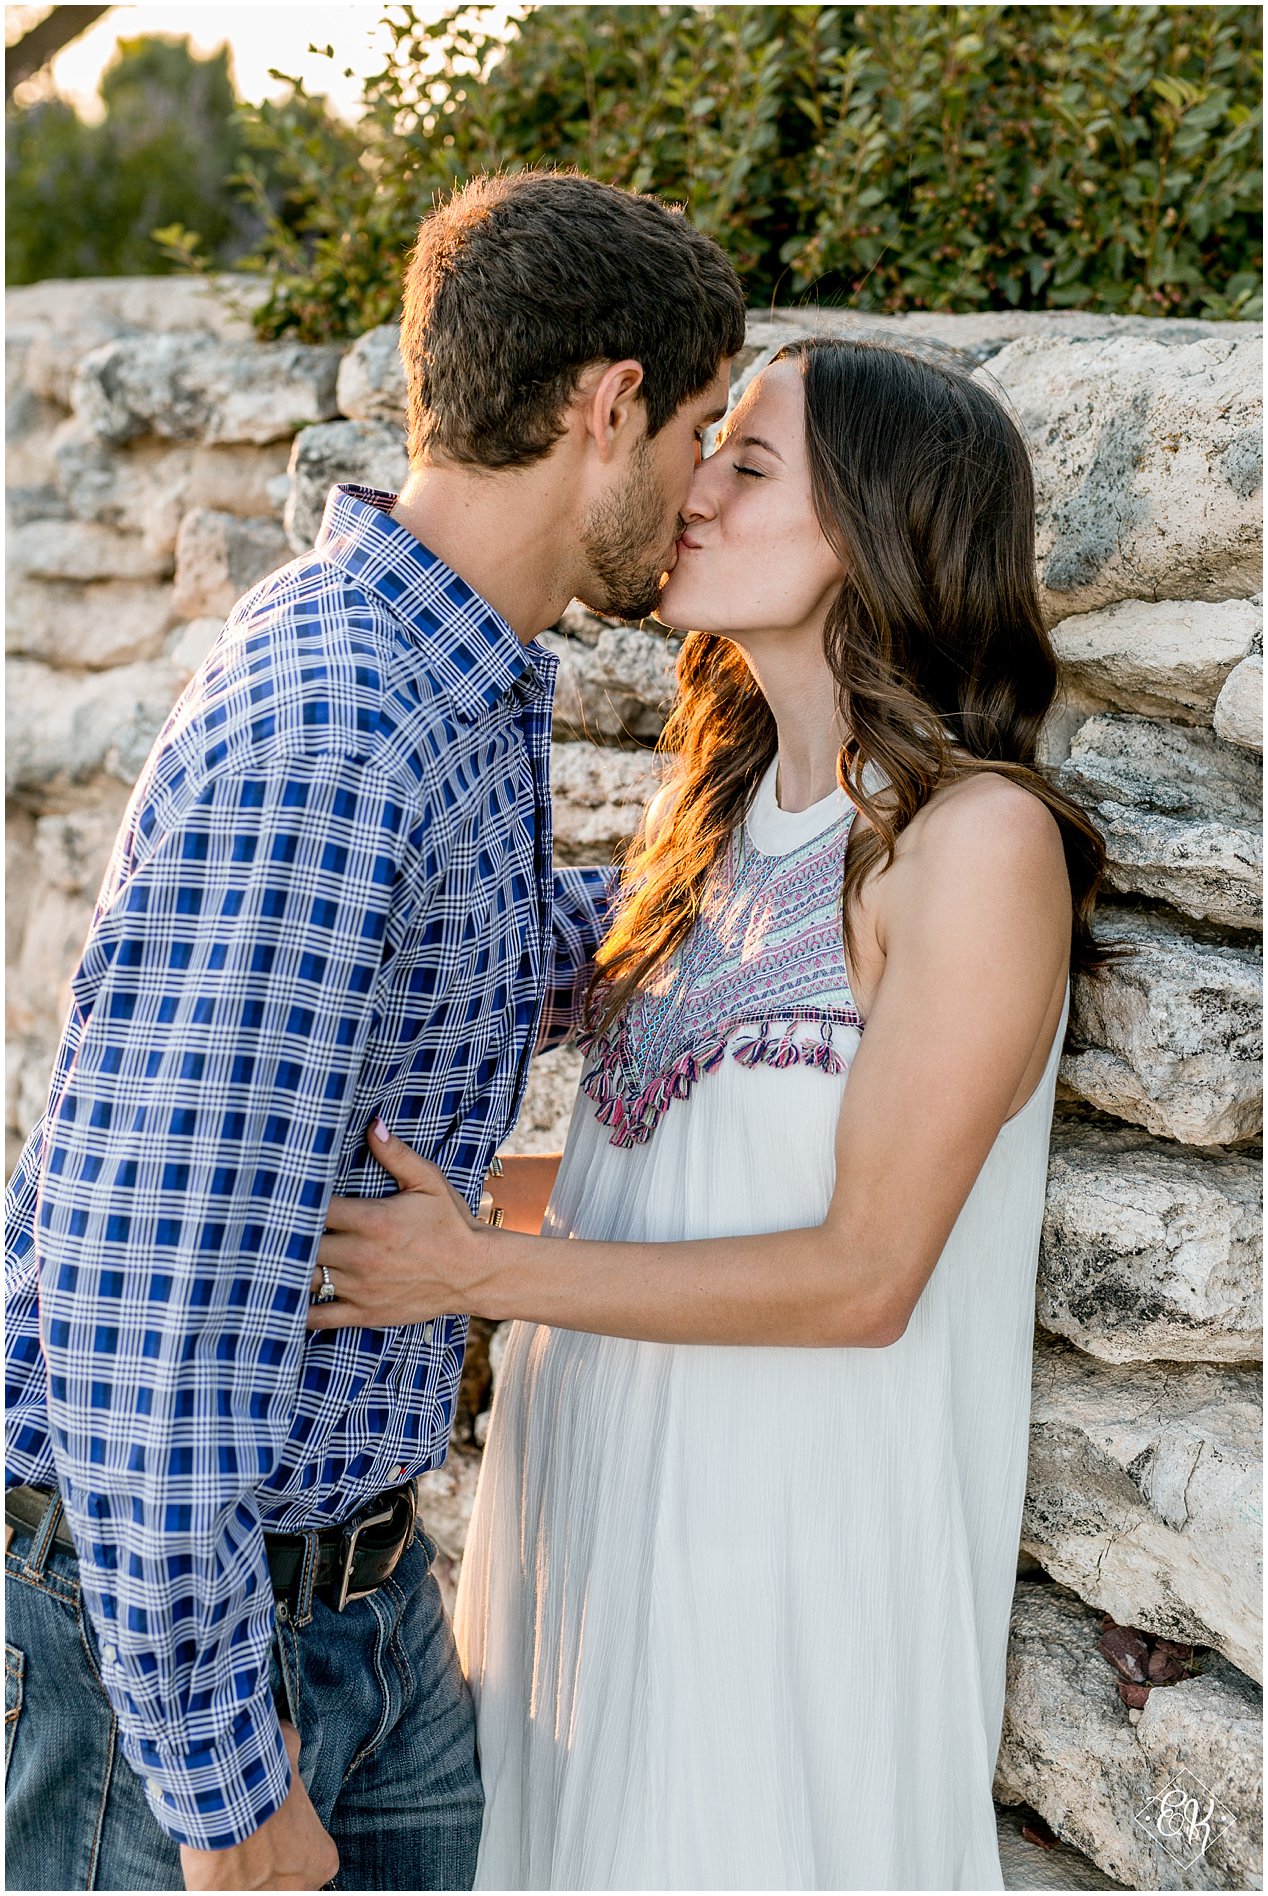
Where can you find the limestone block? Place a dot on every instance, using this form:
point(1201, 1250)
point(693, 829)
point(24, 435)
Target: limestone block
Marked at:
point(1070, 1750)
point(1239, 709)
point(19, 878)
point(628, 659)
point(81, 550)
point(1169, 1038)
point(1150, 1251)
point(1147, 465)
point(599, 796)
point(371, 383)
point(65, 727)
point(1144, 1494)
point(73, 847)
point(38, 986)
point(188, 387)
point(28, 1069)
point(1164, 657)
point(587, 706)
point(106, 622)
point(368, 453)
point(548, 1101)
point(1025, 1864)
point(148, 486)
point(1180, 812)
point(219, 557)
point(29, 429)
point(188, 645)
point(61, 320)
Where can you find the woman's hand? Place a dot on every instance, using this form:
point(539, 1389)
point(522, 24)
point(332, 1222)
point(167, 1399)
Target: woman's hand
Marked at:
point(404, 1259)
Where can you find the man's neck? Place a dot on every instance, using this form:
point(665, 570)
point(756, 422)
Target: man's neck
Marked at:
point(510, 533)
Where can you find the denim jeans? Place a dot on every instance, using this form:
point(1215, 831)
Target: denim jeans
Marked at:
point(385, 1719)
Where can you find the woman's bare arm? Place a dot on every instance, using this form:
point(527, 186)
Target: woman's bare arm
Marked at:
point(976, 922)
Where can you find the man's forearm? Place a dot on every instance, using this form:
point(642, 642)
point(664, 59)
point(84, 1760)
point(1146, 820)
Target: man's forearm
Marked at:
point(799, 1288)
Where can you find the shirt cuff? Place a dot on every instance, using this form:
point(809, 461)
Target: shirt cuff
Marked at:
point(215, 1795)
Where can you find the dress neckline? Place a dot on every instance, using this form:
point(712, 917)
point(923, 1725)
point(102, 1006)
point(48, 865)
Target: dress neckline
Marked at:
point(772, 831)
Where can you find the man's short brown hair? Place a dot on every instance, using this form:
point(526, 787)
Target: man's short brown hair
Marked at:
point(520, 280)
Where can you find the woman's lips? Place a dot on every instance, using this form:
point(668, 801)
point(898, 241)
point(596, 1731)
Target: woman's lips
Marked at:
point(686, 544)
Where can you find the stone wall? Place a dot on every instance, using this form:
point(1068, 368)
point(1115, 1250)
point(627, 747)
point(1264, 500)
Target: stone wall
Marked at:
point(160, 462)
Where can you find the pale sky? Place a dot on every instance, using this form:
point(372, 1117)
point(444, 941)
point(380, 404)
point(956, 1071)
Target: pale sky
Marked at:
point(258, 36)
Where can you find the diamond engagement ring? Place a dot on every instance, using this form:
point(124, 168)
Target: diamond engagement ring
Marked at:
point(326, 1295)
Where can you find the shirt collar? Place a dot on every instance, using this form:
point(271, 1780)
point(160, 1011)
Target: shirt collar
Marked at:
point(474, 655)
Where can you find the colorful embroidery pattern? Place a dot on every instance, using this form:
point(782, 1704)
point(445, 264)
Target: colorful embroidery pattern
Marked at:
point(766, 953)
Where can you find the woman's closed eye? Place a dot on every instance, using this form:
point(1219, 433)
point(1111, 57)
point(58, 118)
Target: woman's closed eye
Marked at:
point(756, 472)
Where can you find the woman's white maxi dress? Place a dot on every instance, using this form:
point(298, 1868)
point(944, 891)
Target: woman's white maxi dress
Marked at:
point(736, 1618)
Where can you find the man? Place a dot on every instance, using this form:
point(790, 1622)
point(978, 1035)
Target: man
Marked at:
point(331, 899)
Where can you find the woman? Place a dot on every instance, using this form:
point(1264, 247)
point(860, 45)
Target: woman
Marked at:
point(737, 1589)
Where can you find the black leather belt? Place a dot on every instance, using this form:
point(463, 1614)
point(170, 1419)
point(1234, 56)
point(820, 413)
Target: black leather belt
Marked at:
point(350, 1559)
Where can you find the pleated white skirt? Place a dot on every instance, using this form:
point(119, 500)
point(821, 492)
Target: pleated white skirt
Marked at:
point(736, 1618)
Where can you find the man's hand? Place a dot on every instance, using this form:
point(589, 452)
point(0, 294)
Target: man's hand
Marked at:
point(290, 1850)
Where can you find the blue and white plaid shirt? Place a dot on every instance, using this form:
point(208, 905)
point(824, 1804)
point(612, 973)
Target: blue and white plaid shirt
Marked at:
point(332, 897)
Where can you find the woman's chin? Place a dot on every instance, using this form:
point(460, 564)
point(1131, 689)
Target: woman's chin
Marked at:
point(673, 607)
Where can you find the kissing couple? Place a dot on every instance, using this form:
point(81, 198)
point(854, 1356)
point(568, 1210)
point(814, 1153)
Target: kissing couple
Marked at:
point(736, 1597)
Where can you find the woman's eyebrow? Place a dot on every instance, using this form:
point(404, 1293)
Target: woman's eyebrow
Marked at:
point(755, 441)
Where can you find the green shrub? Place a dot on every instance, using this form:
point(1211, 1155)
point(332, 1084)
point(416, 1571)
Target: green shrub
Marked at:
point(82, 200)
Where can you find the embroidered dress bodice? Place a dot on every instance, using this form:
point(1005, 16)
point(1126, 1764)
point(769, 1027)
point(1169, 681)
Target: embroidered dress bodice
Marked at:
point(761, 978)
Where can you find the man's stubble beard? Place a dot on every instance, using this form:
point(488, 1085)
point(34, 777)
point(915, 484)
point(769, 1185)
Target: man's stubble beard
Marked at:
point(615, 540)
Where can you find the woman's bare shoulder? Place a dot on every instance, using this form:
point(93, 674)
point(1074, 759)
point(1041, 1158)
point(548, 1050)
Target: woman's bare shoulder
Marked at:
point(992, 816)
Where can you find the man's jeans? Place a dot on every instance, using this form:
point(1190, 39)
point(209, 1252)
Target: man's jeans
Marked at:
point(386, 1722)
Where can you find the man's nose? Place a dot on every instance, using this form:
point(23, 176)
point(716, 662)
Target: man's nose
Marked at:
point(700, 503)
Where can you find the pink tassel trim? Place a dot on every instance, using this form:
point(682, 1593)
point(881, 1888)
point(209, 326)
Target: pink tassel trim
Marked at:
point(634, 1117)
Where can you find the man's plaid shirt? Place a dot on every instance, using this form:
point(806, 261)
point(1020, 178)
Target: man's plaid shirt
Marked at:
point(332, 897)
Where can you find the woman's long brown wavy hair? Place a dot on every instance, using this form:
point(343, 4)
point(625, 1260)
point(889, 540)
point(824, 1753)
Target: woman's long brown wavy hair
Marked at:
point(923, 488)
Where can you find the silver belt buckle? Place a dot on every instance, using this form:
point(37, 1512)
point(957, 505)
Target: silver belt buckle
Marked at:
point(351, 1535)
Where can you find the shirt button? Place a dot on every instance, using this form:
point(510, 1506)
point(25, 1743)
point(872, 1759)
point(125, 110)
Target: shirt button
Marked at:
point(154, 1788)
point(109, 1654)
point(429, 1331)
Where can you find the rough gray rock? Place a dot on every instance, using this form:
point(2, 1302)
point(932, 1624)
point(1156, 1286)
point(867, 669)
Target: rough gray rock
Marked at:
point(55, 323)
point(1151, 1251)
point(73, 848)
point(188, 645)
point(585, 708)
point(1171, 1038)
point(618, 688)
point(1144, 1494)
point(1146, 465)
point(82, 550)
point(1239, 710)
point(64, 727)
point(548, 1101)
point(29, 429)
point(1180, 812)
point(191, 387)
point(148, 486)
point(1027, 1865)
point(1163, 657)
point(370, 453)
point(1070, 1750)
point(372, 378)
point(108, 622)
point(599, 797)
point(219, 557)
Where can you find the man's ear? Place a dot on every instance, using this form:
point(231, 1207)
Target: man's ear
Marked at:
point(611, 406)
